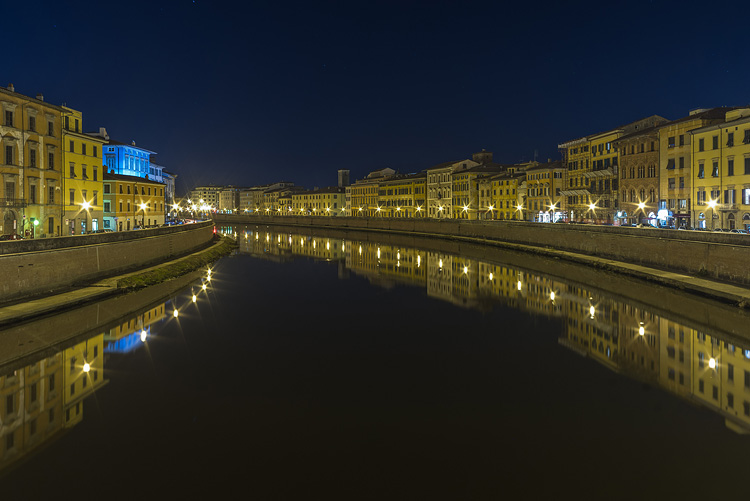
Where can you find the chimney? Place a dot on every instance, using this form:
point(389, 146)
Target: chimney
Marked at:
point(40, 97)
point(11, 88)
point(133, 143)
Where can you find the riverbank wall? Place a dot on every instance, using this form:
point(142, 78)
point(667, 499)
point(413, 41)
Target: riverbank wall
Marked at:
point(33, 267)
point(721, 256)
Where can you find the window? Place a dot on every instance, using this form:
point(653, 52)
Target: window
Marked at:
point(72, 147)
point(32, 124)
point(9, 155)
point(9, 118)
point(50, 194)
point(701, 173)
point(96, 174)
point(51, 383)
point(107, 207)
point(9, 404)
point(730, 167)
point(83, 148)
point(72, 199)
point(682, 140)
point(747, 136)
point(715, 142)
point(670, 183)
point(730, 372)
point(84, 174)
point(32, 158)
point(73, 389)
point(50, 129)
point(682, 162)
point(33, 393)
point(747, 379)
point(72, 174)
point(106, 187)
point(747, 165)
point(730, 139)
point(32, 194)
point(715, 392)
point(96, 151)
point(730, 400)
point(670, 142)
point(700, 386)
point(701, 145)
point(120, 189)
point(715, 169)
point(9, 440)
point(96, 198)
point(51, 161)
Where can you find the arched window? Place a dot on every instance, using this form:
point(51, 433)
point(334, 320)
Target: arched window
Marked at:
point(632, 195)
point(652, 195)
point(642, 195)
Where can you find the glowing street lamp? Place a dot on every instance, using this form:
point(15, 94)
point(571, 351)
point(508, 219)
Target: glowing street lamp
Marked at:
point(712, 205)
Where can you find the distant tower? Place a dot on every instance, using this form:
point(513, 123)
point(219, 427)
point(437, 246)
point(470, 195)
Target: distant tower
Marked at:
point(483, 157)
point(343, 178)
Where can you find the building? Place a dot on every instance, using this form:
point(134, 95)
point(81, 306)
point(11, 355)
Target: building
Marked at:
point(82, 202)
point(208, 194)
point(504, 195)
point(131, 201)
point(403, 196)
point(228, 199)
point(329, 201)
point(592, 162)
point(465, 193)
point(31, 168)
point(721, 172)
point(544, 184)
point(675, 164)
point(82, 374)
point(363, 195)
point(440, 187)
point(639, 177)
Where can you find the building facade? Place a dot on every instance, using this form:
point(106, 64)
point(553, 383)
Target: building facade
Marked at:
point(132, 202)
point(82, 202)
point(639, 178)
point(31, 168)
point(721, 172)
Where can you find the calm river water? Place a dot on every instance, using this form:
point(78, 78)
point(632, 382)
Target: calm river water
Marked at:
point(376, 367)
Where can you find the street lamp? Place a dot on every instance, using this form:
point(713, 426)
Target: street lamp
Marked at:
point(712, 206)
point(86, 206)
point(592, 208)
point(519, 208)
point(142, 207)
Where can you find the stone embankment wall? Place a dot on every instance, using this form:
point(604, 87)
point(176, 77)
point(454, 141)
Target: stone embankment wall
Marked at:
point(31, 267)
point(724, 256)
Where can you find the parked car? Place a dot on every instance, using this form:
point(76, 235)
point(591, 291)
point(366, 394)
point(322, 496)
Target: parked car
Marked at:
point(737, 230)
point(12, 236)
point(103, 231)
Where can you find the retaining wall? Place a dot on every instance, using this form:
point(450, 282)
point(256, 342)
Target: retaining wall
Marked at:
point(724, 256)
point(31, 267)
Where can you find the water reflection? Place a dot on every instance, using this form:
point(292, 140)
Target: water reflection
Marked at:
point(45, 397)
point(696, 362)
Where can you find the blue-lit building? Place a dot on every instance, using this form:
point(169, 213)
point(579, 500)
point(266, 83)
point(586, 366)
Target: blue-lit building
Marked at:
point(129, 159)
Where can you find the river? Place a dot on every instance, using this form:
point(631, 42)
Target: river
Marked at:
point(367, 366)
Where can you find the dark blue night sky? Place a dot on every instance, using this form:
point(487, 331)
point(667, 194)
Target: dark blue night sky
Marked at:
point(249, 93)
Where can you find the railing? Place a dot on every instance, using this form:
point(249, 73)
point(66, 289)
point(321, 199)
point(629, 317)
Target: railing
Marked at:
point(12, 202)
point(726, 206)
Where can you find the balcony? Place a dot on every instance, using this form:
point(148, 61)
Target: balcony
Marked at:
point(12, 202)
point(727, 207)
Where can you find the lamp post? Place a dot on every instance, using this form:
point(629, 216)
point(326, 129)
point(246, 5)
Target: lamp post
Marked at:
point(642, 208)
point(86, 206)
point(142, 207)
point(712, 206)
point(592, 208)
point(519, 208)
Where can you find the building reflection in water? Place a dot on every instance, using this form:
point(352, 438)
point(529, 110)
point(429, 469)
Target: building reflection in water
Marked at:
point(695, 363)
point(45, 398)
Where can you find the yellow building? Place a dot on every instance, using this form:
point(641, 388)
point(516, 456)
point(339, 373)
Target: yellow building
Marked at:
point(329, 201)
point(82, 374)
point(504, 195)
point(131, 202)
point(31, 165)
point(82, 200)
point(544, 185)
point(467, 202)
point(592, 172)
point(675, 164)
point(721, 172)
point(364, 193)
point(403, 196)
